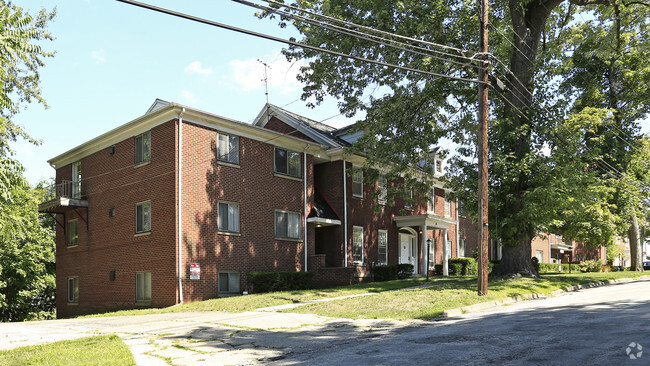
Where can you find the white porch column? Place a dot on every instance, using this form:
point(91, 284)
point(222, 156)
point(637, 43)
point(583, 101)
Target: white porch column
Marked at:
point(445, 254)
point(425, 251)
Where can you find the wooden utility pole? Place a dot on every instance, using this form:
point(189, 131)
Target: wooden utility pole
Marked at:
point(483, 151)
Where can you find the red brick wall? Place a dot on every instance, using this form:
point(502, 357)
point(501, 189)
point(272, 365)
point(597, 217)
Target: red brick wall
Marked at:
point(279, 126)
point(257, 190)
point(468, 230)
point(582, 253)
point(110, 243)
point(365, 212)
point(542, 244)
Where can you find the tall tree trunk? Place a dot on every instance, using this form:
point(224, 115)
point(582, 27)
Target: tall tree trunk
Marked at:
point(636, 252)
point(517, 259)
point(528, 20)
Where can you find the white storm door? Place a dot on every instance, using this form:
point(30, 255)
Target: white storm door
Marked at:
point(407, 249)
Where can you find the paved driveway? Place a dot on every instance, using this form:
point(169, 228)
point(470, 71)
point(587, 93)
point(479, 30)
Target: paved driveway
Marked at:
point(593, 326)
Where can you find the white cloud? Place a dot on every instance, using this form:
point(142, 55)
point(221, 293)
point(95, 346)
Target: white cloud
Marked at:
point(189, 97)
point(196, 68)
point(248, 74)
point(98, 56)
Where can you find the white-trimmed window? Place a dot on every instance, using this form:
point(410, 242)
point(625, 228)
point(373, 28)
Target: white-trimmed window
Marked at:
point(461, 248)
point(357, 183)
point(228, 217)
point(540, 256)
point(143, 148)
point(357, 244)
point(73, 290)
point(382, 247)
point(382, 186)
point(409, 198)
point(447, 205)
point(228, 282)
point(432, 254)
point(73, 233)
point(228, 148)
point(287, 162)
point(438, 166)
point(143, 286)
point(431, 201)
point(143, 217)
point(76, 180)
point(287, 225)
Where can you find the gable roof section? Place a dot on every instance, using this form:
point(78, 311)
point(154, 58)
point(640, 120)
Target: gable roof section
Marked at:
point(161, 112)
point(317, 131)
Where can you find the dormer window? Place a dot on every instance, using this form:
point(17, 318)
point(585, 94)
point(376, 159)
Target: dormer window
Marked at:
point(438, 166)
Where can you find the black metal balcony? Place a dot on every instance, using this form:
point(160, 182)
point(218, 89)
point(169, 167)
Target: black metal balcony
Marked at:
point(63, 195)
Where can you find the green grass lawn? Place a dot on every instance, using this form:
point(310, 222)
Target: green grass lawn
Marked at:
point(451, 293)
point(407, 303)
point(100, 350)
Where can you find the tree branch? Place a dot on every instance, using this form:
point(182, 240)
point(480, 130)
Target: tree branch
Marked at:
point(637, 3)
point(589, 2)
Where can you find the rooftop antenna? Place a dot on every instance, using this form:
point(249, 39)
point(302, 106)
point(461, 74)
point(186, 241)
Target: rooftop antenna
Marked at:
point(265, 80)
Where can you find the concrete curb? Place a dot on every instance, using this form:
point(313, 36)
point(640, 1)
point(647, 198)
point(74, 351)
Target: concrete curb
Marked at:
point(451, 313)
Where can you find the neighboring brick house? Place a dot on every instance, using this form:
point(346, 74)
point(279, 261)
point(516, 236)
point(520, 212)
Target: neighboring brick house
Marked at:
point(179, 204)
point(548, 248)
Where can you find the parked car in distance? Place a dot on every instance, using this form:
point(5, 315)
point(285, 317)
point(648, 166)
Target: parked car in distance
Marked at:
point(646, 266)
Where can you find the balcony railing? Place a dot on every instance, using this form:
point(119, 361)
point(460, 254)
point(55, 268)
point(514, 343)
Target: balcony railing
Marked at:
point(66, 189)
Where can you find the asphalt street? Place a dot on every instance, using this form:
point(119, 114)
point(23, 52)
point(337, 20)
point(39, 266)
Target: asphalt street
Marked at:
point(604, 325)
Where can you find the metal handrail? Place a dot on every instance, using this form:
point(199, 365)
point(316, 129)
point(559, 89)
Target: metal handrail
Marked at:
point(66, 189)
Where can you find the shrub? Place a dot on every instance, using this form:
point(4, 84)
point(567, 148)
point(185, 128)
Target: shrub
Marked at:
point(463, 266)
point(384, 272)
point(259, 282)
point(392, 272)
point(593, 265)
point(404, 270)
point(535, 261)
point(493, 265)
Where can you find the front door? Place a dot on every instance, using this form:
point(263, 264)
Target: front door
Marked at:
point(407, 249)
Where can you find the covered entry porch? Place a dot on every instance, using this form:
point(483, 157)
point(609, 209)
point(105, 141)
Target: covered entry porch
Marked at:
point(412, 242)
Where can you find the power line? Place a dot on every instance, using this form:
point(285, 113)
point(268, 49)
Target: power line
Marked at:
point(364, 36)
point(462, 51)
point(292, 43)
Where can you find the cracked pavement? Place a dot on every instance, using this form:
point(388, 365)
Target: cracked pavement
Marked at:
point(589, 326)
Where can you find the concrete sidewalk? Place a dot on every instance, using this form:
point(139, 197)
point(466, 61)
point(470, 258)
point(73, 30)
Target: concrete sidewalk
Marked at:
point(212, 338)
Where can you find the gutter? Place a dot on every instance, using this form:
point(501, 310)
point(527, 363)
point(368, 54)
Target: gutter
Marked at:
point(180, 206)
point(345, 217)
point(304, 180)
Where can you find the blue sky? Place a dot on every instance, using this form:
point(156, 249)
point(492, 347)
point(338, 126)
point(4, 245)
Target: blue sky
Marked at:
point(113, 60)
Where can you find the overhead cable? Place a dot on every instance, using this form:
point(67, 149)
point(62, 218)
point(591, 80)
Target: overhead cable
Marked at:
point(366, 36)
point(292, 43)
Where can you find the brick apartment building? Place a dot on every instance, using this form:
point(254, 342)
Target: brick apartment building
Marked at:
point(548, 248)
point(179, 204)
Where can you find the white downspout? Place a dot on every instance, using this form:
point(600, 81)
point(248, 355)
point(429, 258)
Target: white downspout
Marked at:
point(345, 217)
point(445, 254)
point(458, 231)
point(180, 206)
point(304, 179)
point(425, 248)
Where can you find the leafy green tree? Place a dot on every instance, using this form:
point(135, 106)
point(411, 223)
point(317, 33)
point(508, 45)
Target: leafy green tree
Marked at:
point(26, 240)
point(604, 65)
point(416, 110)
point(27, 267)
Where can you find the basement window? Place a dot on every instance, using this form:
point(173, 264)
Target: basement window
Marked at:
point(228, 283)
